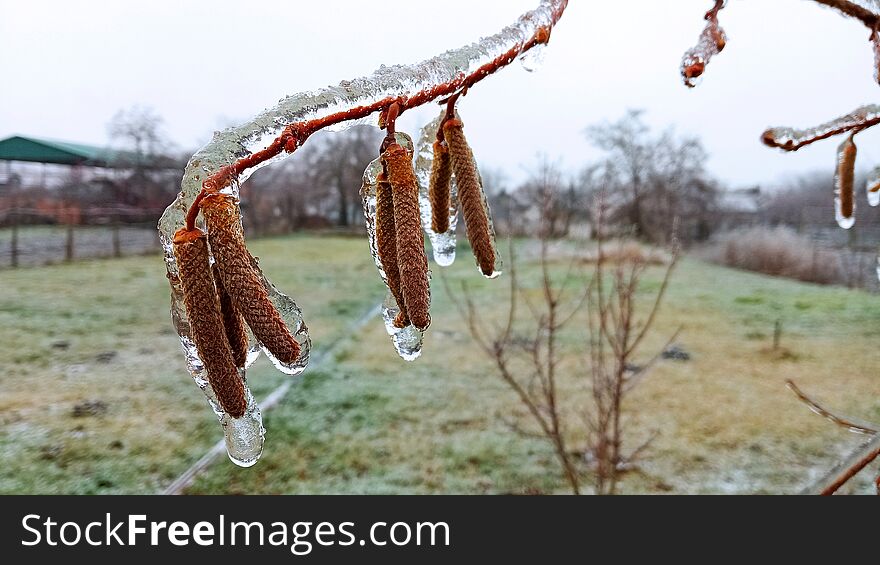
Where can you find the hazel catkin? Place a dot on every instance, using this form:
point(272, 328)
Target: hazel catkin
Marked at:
point(470, 195)
point(438, 189)
point(412, 262)
point(205, 320)
point(233, 323)
point(241, 281)
point(846, 162)
point(386, 244)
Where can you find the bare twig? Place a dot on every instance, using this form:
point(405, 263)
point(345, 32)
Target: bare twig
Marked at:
point(853, 10)
point(639, 376)
point(846, 469)
point(791, 139)
point(296, 133)
point(852, 424)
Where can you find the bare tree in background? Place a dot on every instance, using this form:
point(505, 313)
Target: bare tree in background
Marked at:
point(554, 200)
point(339, 166)
point(315, 188)
point(528, 353)
point(652, 179)
point(145, 152)
point(138, 130)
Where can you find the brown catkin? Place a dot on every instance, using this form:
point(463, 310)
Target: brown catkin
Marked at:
point(470, 195)
point(233, 322)
point(386, 244)
point(206, 322)
point(438, 189)
point(845, 176)
point(241, 281)
point(412, 263)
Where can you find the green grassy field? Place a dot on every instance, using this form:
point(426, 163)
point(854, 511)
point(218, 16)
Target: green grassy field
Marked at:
point(96, 335)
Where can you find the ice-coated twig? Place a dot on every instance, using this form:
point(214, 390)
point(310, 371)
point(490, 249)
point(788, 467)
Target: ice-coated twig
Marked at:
point(846, 469)
point(454, 71)
point(863, 10)
point(712, 41)
point(790, 139)
point(856, 461)
point(852, 424)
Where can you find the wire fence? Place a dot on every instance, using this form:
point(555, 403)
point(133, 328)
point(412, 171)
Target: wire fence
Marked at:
point(35, 245)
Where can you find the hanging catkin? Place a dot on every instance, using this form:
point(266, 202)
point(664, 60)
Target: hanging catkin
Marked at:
point(241, 282)
point(205, 320)
point(438, 189)
point(412, 263)
point(470, 195)
point(233, 323)
point(846, 162)
point(386, 244)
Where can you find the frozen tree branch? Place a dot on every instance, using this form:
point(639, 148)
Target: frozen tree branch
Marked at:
point(856, 461)
point(790, 139)
point(852, 424)
point(237, 152)
point(855, 10)
point(846, 469)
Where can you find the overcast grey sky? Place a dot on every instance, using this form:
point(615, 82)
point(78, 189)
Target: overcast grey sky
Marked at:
point(67, 67)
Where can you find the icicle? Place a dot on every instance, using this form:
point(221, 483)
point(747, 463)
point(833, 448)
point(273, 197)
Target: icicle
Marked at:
point(872, 187)
point(442, 244)
point(844, 201)
point(407, 340)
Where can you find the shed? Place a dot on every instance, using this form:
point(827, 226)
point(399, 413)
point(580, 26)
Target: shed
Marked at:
point(39, 150)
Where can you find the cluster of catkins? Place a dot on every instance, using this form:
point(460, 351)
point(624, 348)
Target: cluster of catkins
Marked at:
point(225, 296)
point(222, 298)
point(399, 237)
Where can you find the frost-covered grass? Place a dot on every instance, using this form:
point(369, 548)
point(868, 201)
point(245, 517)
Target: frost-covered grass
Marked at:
point(369, 422)
point(100, 331)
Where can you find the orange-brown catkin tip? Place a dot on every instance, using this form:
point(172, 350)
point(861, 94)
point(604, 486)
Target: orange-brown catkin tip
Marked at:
point(386, 244)
point(412, 263)
point(470, 195)
point(438, 190)
point(846, 163)
point(233, 323)
point(205, 320)
point(241, 282)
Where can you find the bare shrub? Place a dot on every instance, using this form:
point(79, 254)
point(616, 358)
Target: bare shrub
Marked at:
point(575, 398)
point(628, 252)
point(779, 252)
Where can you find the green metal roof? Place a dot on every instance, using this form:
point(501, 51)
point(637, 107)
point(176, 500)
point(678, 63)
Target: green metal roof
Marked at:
point(38, 150)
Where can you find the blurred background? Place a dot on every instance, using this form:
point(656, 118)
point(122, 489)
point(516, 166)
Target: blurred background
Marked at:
point(595, 159)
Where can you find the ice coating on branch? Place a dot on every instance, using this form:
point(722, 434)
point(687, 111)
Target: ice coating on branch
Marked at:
point(872, 187)
point(711, 42)
point(870, 5)
point(790, 139)
point(234, 143)
point(533, 59)
point(292, 316)
point(442, 244)
point(407, 340)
